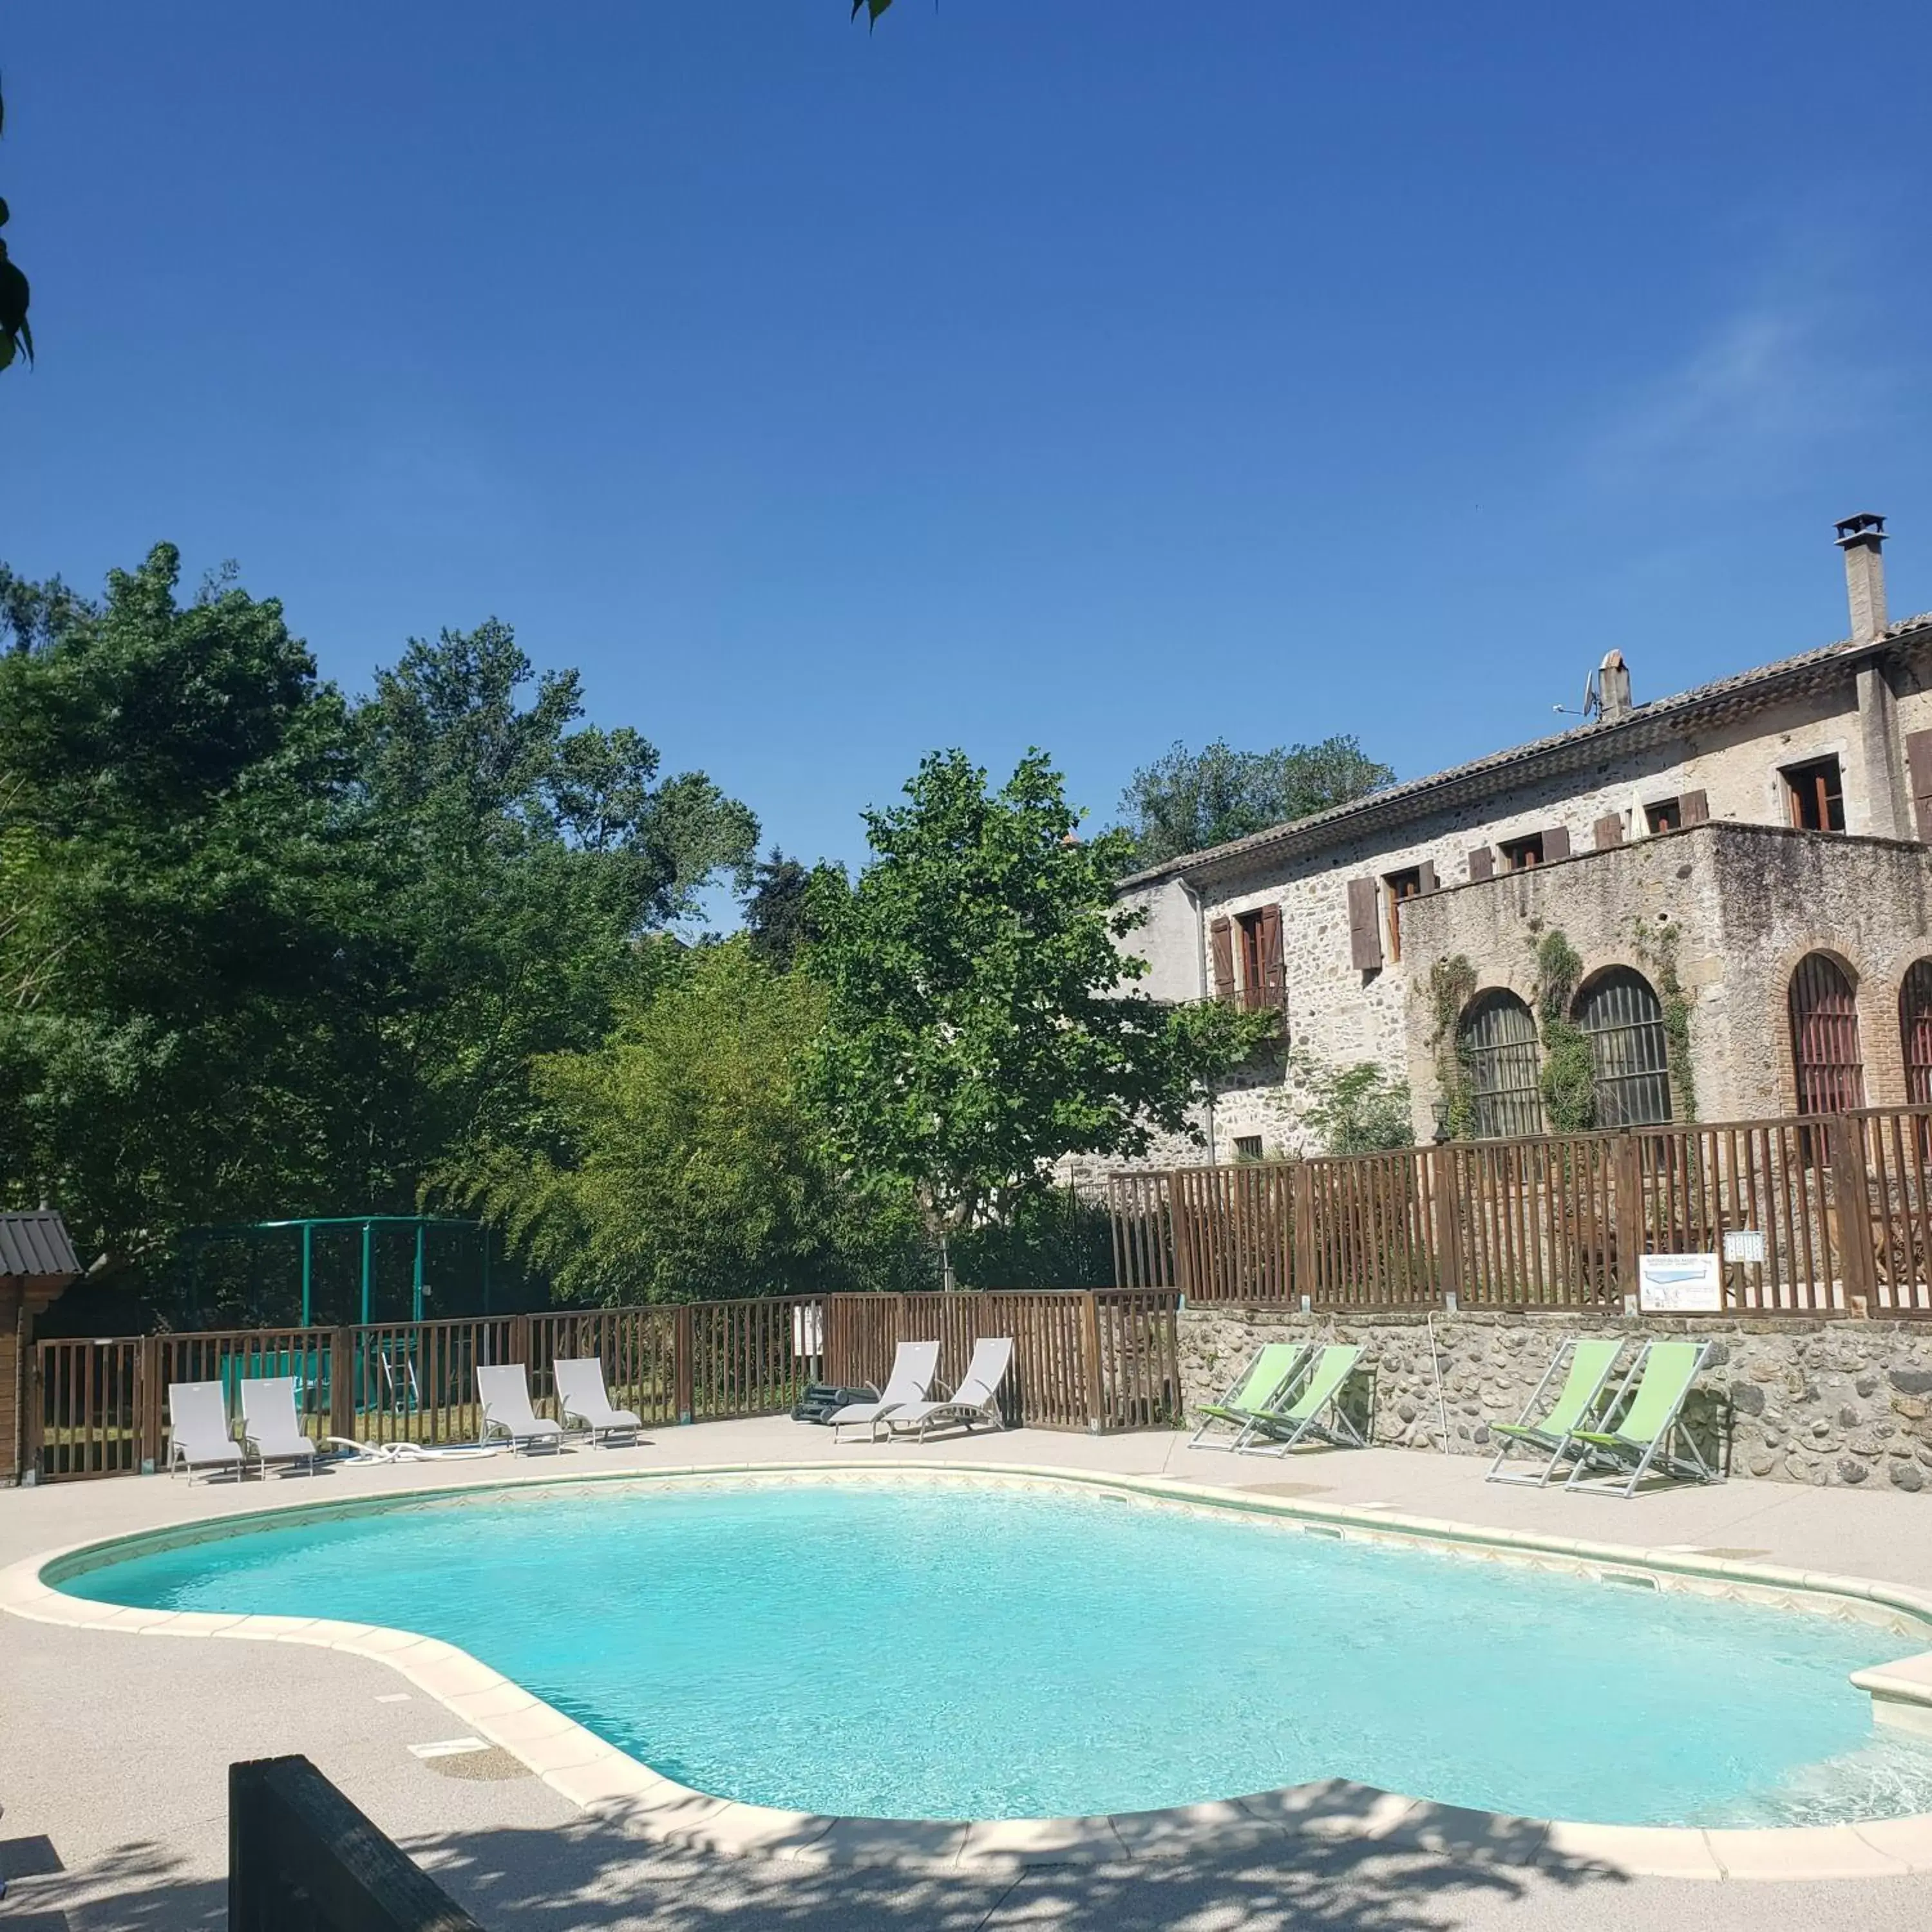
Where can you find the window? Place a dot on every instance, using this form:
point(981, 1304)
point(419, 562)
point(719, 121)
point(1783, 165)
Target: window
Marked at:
point(1618, 1013)
point(1247, 1146)
point(1519, 854)
point(1498, 1042)
point(1914, 1033)
point(1666, 815)
point(1824, 1037)
point(1258, 939)
point(1400, 885)
point(1815, 794)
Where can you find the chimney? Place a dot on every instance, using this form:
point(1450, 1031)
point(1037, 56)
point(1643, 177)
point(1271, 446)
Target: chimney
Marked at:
point(1862, 538)
point(1613, 691)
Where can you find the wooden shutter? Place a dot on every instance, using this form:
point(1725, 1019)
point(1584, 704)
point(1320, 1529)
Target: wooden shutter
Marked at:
point(1919, 773)
point(1482, 863)
point(1555, 843)
point(1365, 938)
point(1608, 831)
point(1221, 932)
point(1693, 808)
point(1274, 976)
point(1427, 871)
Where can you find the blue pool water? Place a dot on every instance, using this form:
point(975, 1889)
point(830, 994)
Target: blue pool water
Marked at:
point(963, 1650)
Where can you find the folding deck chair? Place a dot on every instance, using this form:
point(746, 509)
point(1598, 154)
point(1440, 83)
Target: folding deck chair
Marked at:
point(1271, 1367)
point(1546, 1431)
point(1279, 1427)
point(1644, 1421)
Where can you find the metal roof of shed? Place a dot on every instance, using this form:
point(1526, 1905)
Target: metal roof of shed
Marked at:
point(37, 1245)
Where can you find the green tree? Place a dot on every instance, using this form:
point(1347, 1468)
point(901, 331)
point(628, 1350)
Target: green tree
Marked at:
point(1359, 1109)
point(777, 915)
point(1187, 801)
point(982, 1018)
point(679, 1162)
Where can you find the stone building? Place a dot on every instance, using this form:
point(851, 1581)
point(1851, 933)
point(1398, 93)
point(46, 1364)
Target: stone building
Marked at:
point(1727, 892)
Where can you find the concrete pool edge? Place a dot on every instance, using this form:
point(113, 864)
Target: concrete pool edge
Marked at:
point(598, 1777)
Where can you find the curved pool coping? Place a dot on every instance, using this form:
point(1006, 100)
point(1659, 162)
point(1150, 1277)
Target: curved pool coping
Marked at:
point(599, 1778)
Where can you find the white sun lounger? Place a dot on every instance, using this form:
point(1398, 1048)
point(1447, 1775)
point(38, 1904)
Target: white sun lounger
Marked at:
point(976, 1399)
point(914, 1365)
point(504, 1392)
point(198, 1433)
point(581, 1396)
point(271, 1432)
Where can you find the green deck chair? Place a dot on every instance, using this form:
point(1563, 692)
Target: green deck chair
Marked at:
point(1274, 1365)
point(1314, 1410)
point(1638, 1437)
point(1547, 1431)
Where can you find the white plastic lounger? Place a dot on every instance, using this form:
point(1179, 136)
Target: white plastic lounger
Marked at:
point(198, 1435)
point(504, 1392)
point(976, 1399)
point(271, 1432)
point(582, 1397)
point(914, 1365)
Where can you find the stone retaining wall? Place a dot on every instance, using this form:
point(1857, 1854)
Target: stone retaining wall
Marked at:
point(1798, 1401)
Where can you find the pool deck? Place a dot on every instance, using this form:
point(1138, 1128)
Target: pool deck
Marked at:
point(113, 1751)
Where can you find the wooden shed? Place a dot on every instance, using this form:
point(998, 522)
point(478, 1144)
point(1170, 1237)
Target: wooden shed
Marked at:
point(36, 1264)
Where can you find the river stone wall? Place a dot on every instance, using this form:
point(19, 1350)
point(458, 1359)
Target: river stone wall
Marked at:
point(1837, 1402)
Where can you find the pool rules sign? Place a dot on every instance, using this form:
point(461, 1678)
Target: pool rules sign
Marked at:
point(1680, 1284)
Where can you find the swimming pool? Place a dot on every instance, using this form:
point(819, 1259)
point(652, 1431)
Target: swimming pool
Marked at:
point(961, 1648)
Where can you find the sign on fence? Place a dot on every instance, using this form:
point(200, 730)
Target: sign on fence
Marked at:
point(1680, 1284)
point(807, 1330)
point(1745, 1245)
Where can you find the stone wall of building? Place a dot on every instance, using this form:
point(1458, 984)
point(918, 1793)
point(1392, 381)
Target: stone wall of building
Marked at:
point(1837, 1403)
point(1739, 906)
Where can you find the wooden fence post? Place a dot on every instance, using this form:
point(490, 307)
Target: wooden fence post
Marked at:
point(33, 1393)
point(1851, 1196)
point(1301, 1246)
point(1448, 1232)
point(147, 1400)
point(342, 1379)
point(1089, 1347)
point(1626, 1277)
point(683, 1365)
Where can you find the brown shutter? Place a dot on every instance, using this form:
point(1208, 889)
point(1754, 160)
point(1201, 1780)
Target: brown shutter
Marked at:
point(1918, 772)
point(1482, 863)
point(1555, 843)
point(1274, 977)
point(1365, 940)
point(1693, 808)
point(1427, 870)
point(1222, 933)
point(1608, 831)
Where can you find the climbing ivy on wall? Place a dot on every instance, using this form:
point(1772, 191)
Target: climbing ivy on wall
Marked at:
point(1656, 946)
point(1569, 1069)
point(1452, 985)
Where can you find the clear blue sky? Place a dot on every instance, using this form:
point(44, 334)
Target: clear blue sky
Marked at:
point(1090, 374)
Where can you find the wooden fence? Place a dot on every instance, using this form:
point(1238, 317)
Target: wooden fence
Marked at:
point(1840, 1205)
point(1100, 1360)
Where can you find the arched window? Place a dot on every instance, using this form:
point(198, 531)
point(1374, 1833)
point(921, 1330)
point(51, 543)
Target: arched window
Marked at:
point(1825, 1051)
point(1619, 1012)
point(1914, 1033)
point(1498, 1041)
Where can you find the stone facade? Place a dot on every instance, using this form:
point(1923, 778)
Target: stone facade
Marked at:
point(1830, 1403)
point(1747, 893)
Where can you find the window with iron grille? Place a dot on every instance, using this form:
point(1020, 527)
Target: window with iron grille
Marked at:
point(1247, 1146)
point(1498, 1037)
point(1815, 794)
point(1620, 1014)
point(1825, 1051)
point(1914, 1033)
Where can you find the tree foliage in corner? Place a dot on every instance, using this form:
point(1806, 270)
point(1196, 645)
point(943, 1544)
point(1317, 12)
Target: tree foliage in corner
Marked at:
point(15, 337)
point(982, 1017)
point(1186, 801)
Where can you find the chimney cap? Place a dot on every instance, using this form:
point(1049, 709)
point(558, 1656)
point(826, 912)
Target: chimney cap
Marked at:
point(1864, 528)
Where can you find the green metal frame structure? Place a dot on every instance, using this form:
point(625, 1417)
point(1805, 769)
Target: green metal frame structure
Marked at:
point(368, 1223)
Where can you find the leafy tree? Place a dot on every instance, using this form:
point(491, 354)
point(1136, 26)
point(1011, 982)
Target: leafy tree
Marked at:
point(15, 337)
point(1187, 801)
point(1359, 1109)
point(777, 917)
point(982, 1019)
point(680, 1161)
